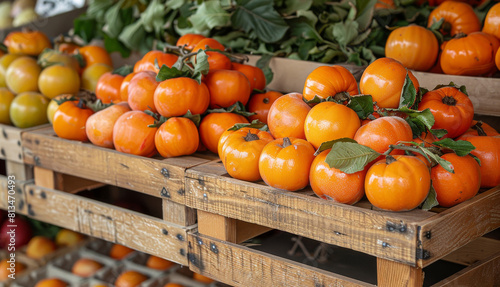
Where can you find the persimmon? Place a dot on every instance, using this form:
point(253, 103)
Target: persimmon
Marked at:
point(201, 278)
point(454, 188)
point(213, 125)
point(86, 267)
point(119, 251)
point(51, 282)
point(108, 87)
point(147, 62)
point(130, 278)
point(141, 91)
point(384, 79)
point(6, 98)
point(285, 163)
point(254, 74)
point(90, 76)
point(99, 126)
point(487, 129)
point(227, 87)
point(39, 247)
point(287, 116)
point(330, 121)
point(241, 152)
point(380, 133)
point(5, 62)
point(492, 21)
point(189, 41)
point(132, 135)
point(58, 79)
point(70, 119)
point(260, 105)
point(218, 61)
point(22, 75)
point(333, 184)
point(224, 136)
point(5, 266)
point(210, 43)
point(458, 17)
point(487, 149)
point(95, 55)
point(124, 86)
point(157, 263)
point(66, 237)
point(452, 110)
point(176, 137)
point(497, 59)
point(414, 46)
point(328, 81)
point(30, 43)
point(28, 110)
point(186, 93)
point(397, 183)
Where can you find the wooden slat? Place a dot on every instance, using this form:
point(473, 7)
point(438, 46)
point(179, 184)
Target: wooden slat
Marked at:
point(20, 170)
point(459, 225)
point(241, 266)
point(481, 274)
point(390, 273)
point(19, 194)
point(382, 234)
point(483, 91)
point(10, 143)
point(474, 251)
point(178, 213)
point(64, 182)
point(101, 220)
point(157, 177)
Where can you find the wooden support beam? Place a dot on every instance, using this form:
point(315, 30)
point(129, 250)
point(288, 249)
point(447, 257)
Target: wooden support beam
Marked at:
point(391, 273)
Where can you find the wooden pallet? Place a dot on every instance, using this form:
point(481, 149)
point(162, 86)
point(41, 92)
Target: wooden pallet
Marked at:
point(106, 221)
point(163, 178)
point(403, 243)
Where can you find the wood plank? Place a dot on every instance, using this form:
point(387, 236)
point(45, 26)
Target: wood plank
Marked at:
point(382, 234)
point(155, 176)
point(178, 213)
point(241, 266)
point(20, 170)
point(105, 221)
point(481, 274)
point(217, 226)
point(390, 273)
point(459, 225)
point(10, 143)
point(17, 190)
point(475, 251)
point(64, 182)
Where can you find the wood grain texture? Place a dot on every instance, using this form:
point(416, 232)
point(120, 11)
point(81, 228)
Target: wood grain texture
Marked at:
point(390, 273)
point(20, 170)
point(19, 194)
point(10, 143)
point(382, 234)
point(459, 225)
point(241, 266)
point(108, 222)
point(483, 91)
point(477, 250)
point(64, 182)
point(484, 273)
point(178, 213)
point(155, 176)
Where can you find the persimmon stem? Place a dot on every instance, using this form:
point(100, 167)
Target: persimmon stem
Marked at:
point(251, 137)
point(286, 142)
point(479, 128)
point(342, 97)
point(450, 101)
point(389, 159)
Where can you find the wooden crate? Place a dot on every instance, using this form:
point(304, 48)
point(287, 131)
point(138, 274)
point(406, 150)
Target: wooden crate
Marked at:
point(106, 221)
point(405, 240)
point(159, 177)
point(19, 194)
point(239, 265)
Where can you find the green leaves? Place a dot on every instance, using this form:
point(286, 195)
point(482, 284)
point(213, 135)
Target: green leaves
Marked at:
point(180, 69)
point(255, 124)
point(350, 157)
point(209, 15)
point(431, 200)
point(260, 17)
point(362, 105)
point(460, 147)
point(345, 32)
point(408, 93)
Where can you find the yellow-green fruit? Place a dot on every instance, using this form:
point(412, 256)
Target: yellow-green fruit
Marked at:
point(53, 105)
point(6, 98)
point(28, 15)
point(29, 109)
point(57, 80)
point(91, 75)
point(5, 61)
point(22, 75)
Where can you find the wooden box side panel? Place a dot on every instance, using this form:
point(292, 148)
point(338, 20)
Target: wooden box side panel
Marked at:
point(388, 235)
point(160, 178)
point(459, 225)
point(240, 266)
point(10, 143)
point(101, 220)
point(13, 191)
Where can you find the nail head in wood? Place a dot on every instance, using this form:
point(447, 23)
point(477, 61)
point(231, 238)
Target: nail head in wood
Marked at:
point(165, 172)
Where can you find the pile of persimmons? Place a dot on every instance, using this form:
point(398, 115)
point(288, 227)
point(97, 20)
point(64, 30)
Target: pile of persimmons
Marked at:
point(387, 138)
point(454, 42)
point(32, 74)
